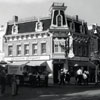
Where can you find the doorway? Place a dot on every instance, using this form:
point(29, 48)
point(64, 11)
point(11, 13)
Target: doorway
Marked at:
point(56, 69)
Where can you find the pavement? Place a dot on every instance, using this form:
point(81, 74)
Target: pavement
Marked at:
point(55, 92)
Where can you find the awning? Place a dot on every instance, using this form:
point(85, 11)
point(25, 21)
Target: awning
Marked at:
point(81, 63)
point(39, 65)
point(36, 63)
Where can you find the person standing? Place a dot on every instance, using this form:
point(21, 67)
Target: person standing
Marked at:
point(87, 73)
point(46, 79)
point(85, 78)
point(17, 85)
point(62, 77)
point(14, 85)
point(79, 76)
point(3, 81)
point(67, 77)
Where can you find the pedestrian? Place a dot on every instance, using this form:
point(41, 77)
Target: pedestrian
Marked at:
point(31, 79)
point(38, 79)
point(46, 79)
point(79, 76)
point(67, 77)
point(3, 81)
point(17, 84)
point(87, 73)
point(85, 78)
point(62, 77)
point(14, 85)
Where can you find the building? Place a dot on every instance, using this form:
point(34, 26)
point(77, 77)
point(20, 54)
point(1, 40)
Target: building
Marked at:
point(94, 31)
point(2, 33)
point(49, 41)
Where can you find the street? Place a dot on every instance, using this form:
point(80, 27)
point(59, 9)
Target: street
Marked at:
point(55, 92)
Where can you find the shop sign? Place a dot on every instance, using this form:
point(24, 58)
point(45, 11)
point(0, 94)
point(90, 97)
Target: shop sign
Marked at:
point(27, 58)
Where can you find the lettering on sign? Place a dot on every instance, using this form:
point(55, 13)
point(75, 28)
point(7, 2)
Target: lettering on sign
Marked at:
point(28, 58)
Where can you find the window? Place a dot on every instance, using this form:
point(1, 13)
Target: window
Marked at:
point(34, 49)
point(39, 26)
point(75, 48)
point(55, 15)
point(59, 20)
point(56, 47)
point(85, 50)
point(14, 29)
point(18, 49)
point(62, 46)
point(63, 16)
point(80, 50)
point(43, 48)
point(10, 50)
point(26, 48)
point(59, 46)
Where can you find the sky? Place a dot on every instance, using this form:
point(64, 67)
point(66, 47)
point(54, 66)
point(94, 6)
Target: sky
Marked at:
point(87, 10)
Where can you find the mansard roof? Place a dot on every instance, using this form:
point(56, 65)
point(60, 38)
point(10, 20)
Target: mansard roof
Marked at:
point(28, 26)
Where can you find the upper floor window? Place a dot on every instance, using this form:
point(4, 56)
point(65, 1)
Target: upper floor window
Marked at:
point(26, 49)
point(18, 49)
point(10, 50)
point(85, 50)
point(59, 45)
point(39, 26)
point(59, 20)
point(14, 29)
point(43, 48)
point(34, 49)
point(56, 48)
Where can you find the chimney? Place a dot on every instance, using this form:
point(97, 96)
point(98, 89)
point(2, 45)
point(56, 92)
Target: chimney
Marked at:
point(15, 18)
point(77, 17)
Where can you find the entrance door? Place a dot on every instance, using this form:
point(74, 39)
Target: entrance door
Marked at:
point(56, 69)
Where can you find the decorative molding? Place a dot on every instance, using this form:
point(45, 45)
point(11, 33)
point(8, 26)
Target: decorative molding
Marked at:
point(16, 37)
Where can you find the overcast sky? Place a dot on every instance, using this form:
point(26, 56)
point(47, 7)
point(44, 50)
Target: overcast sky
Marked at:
point(87, 10)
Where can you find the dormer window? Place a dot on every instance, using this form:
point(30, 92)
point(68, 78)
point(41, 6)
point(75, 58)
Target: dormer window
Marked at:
point(39, 26)
point(14, 29)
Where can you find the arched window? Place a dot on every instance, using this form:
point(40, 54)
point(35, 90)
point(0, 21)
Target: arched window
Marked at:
point(59, 20)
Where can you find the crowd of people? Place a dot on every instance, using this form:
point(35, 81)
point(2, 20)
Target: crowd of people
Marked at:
point(14, 81)
point(81, 76)
point(3, 83)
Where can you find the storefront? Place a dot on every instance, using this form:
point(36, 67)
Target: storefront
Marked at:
point(85, 65)
point(57, 65)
